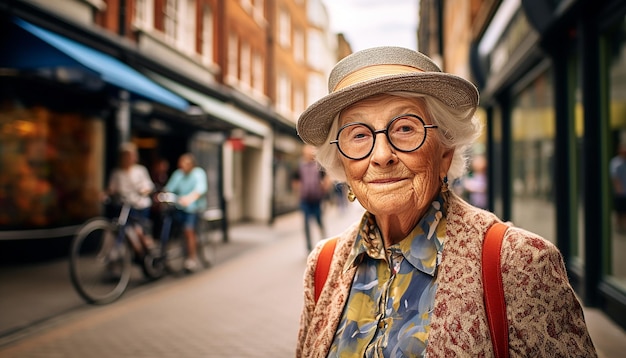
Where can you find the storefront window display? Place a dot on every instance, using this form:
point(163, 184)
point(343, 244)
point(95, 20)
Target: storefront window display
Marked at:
point(533, 126)
point(578, 241)
point(50, 167)
point(497, 155)
point(616, 48)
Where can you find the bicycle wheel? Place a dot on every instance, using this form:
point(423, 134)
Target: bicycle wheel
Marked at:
point(153, 266)
point(100, 265)
point(207, 240)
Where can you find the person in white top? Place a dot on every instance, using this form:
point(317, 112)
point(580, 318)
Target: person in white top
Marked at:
point(131, 184)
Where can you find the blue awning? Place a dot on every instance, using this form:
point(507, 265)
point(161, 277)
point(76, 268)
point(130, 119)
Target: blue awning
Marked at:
point(66, 52)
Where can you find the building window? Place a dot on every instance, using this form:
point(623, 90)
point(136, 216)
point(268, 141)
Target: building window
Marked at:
point(170, 20)
point(533, 127)
point(259, 10)
point(246, 66)
point(616, 56)
point(315, 47)
point(298, 46)
point(180, 24)
point(258, 74)
point(284, 29)
point(187, 26)
point(316, 87)
point(207, 35)
point(298, 101)
point(246, 5)
point(233, 59)
point(144, 14)
point(283, 104)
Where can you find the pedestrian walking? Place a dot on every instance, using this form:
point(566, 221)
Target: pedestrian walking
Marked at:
point(312, 184)
point(476, 184)
point(407, 280)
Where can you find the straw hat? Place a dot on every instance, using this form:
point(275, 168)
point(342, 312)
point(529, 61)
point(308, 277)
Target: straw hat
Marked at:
point(377, 70)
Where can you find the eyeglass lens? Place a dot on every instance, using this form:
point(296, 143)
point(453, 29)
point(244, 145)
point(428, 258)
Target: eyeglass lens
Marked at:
point(406, 133)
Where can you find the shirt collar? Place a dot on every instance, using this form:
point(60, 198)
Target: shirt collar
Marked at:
point(422, 248)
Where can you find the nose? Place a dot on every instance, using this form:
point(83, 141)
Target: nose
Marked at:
point(383, 154)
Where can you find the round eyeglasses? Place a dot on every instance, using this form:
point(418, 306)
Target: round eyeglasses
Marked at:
point(406, 133)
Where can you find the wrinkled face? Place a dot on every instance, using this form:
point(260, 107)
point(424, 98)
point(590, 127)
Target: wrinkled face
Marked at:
point(390, 182)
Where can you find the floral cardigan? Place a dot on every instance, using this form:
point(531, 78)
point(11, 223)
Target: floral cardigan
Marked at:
point(545, 317)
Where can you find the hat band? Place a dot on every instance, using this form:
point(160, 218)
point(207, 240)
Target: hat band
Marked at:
point(371, 72)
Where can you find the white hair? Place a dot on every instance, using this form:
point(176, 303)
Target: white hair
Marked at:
point(457, 129)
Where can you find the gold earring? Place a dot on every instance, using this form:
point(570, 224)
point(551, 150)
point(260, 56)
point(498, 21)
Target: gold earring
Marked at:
point(444, 184)
point(351, 195)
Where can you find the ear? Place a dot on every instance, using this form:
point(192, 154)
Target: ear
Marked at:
point(446, 161)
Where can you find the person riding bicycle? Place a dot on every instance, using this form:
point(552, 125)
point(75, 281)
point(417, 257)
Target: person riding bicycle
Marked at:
point(131, 184)
point(189, 183)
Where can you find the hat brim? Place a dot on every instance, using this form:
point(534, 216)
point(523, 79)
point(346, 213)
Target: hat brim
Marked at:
point(453, 91)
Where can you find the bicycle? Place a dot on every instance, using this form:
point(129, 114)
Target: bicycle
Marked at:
point(101, 254)
point(172, 239)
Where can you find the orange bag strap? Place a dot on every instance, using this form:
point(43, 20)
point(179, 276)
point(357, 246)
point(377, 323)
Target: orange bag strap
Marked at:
point(495, 305)
point(323, 265)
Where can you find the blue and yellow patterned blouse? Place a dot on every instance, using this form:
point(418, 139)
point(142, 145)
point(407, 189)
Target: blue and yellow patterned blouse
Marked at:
point(393, 293)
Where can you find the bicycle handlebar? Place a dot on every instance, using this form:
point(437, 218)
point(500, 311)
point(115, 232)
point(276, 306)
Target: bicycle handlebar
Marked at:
point(168, 198)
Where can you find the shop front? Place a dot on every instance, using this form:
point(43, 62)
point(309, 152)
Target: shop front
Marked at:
point(67, 102)
point(553, 86)
point(50, 175)
point(64, 110)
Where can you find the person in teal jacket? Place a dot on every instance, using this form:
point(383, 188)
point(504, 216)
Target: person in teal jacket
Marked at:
point(189, 183)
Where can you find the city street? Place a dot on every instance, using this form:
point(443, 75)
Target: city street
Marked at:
point(246, 306)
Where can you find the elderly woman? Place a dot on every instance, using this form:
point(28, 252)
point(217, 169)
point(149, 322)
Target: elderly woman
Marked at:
point(406, 279)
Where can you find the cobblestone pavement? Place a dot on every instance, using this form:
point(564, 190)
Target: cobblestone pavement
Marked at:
point(247, 306)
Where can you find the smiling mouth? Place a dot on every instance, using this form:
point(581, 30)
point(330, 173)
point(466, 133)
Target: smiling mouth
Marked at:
point(386, 181)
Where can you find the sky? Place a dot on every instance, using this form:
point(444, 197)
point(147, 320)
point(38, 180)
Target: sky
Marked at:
point(369, 23)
